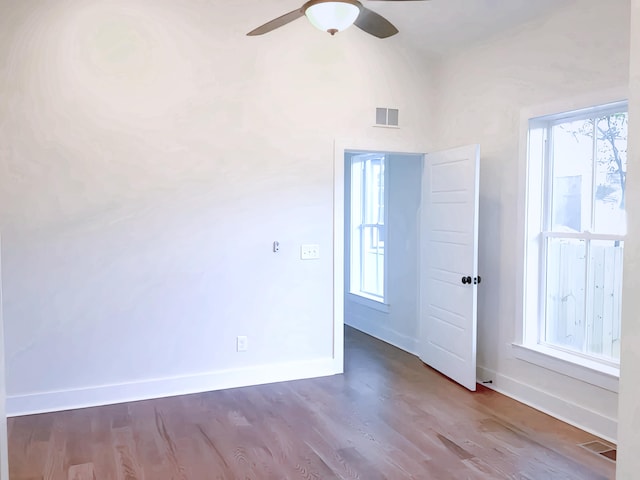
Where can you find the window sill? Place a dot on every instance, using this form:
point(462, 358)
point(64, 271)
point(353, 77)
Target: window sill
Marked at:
point(575, 366)
point(368, 302)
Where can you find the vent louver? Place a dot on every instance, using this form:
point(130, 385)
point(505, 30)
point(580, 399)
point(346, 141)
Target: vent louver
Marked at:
point(607, 451)
point(389, 117)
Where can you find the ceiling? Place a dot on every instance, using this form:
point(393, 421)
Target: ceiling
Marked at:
point(442, 26)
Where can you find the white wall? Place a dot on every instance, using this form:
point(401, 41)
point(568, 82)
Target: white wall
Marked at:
point(398, 325)
point(629, 428)
point(150, 154)
point(579, 50)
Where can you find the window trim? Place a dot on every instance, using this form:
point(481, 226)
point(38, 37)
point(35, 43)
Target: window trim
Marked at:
point(523, 348)
point(369, 302)
point(570, 364)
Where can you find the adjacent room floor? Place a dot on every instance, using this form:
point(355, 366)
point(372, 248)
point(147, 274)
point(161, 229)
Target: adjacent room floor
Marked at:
point(389, 416)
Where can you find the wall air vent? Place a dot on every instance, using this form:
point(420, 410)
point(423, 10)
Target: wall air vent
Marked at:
point(387, 117)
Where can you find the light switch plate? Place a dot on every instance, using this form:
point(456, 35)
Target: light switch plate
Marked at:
point(310, 252)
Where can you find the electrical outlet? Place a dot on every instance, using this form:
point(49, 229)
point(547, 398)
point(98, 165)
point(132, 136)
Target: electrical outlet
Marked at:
point(310, 252)
point(242, 344)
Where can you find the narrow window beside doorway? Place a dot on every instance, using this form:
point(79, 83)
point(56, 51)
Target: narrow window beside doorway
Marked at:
point(367, 227)
point(576, 227)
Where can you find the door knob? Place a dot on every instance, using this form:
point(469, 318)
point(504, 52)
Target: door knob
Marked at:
point(466, 280)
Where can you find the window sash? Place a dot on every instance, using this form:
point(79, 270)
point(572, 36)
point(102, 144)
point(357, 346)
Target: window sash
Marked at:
point(599, 298)
point(547, 124)
point(584, 236)
point(547, 233)
point(368, 262)
point(377, 253)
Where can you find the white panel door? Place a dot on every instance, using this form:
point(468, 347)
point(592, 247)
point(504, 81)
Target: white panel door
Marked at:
point(448, 263)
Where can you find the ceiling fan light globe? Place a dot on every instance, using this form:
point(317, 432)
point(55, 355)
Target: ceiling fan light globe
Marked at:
point(332, 16)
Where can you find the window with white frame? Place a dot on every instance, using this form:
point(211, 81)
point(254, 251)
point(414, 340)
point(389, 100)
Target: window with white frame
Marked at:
point(367, 226)
point(576, 225)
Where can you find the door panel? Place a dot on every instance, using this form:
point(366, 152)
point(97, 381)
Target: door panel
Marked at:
point(448, 252)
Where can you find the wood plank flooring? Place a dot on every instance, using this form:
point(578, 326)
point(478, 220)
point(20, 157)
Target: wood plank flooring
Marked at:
point(388, 417)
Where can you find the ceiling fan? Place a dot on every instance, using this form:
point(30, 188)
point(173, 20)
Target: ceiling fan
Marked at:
point(333, 17)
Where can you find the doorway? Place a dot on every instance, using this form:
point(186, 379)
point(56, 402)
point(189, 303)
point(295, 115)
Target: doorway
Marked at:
point(437, 240)
point(381, 242)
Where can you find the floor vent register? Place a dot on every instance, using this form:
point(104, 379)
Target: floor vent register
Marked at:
point(600, 448)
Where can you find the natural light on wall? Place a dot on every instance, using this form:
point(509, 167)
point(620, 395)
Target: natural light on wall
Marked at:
point(332, 17)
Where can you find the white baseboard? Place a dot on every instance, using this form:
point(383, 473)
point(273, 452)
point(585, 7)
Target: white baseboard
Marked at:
point(167, 387)
point(564, 410)
point(403, 342)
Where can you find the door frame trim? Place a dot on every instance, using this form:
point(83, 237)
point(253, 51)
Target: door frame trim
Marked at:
point(4, 440)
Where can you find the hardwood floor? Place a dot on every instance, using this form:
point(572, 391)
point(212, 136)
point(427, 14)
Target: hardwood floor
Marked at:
point(389, 417)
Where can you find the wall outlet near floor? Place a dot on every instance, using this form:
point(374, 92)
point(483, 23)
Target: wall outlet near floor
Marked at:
point(242, 344)
point(310, 252)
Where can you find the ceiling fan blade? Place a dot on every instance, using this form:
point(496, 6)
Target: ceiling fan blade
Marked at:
point(375, 24)
point(277, 23)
